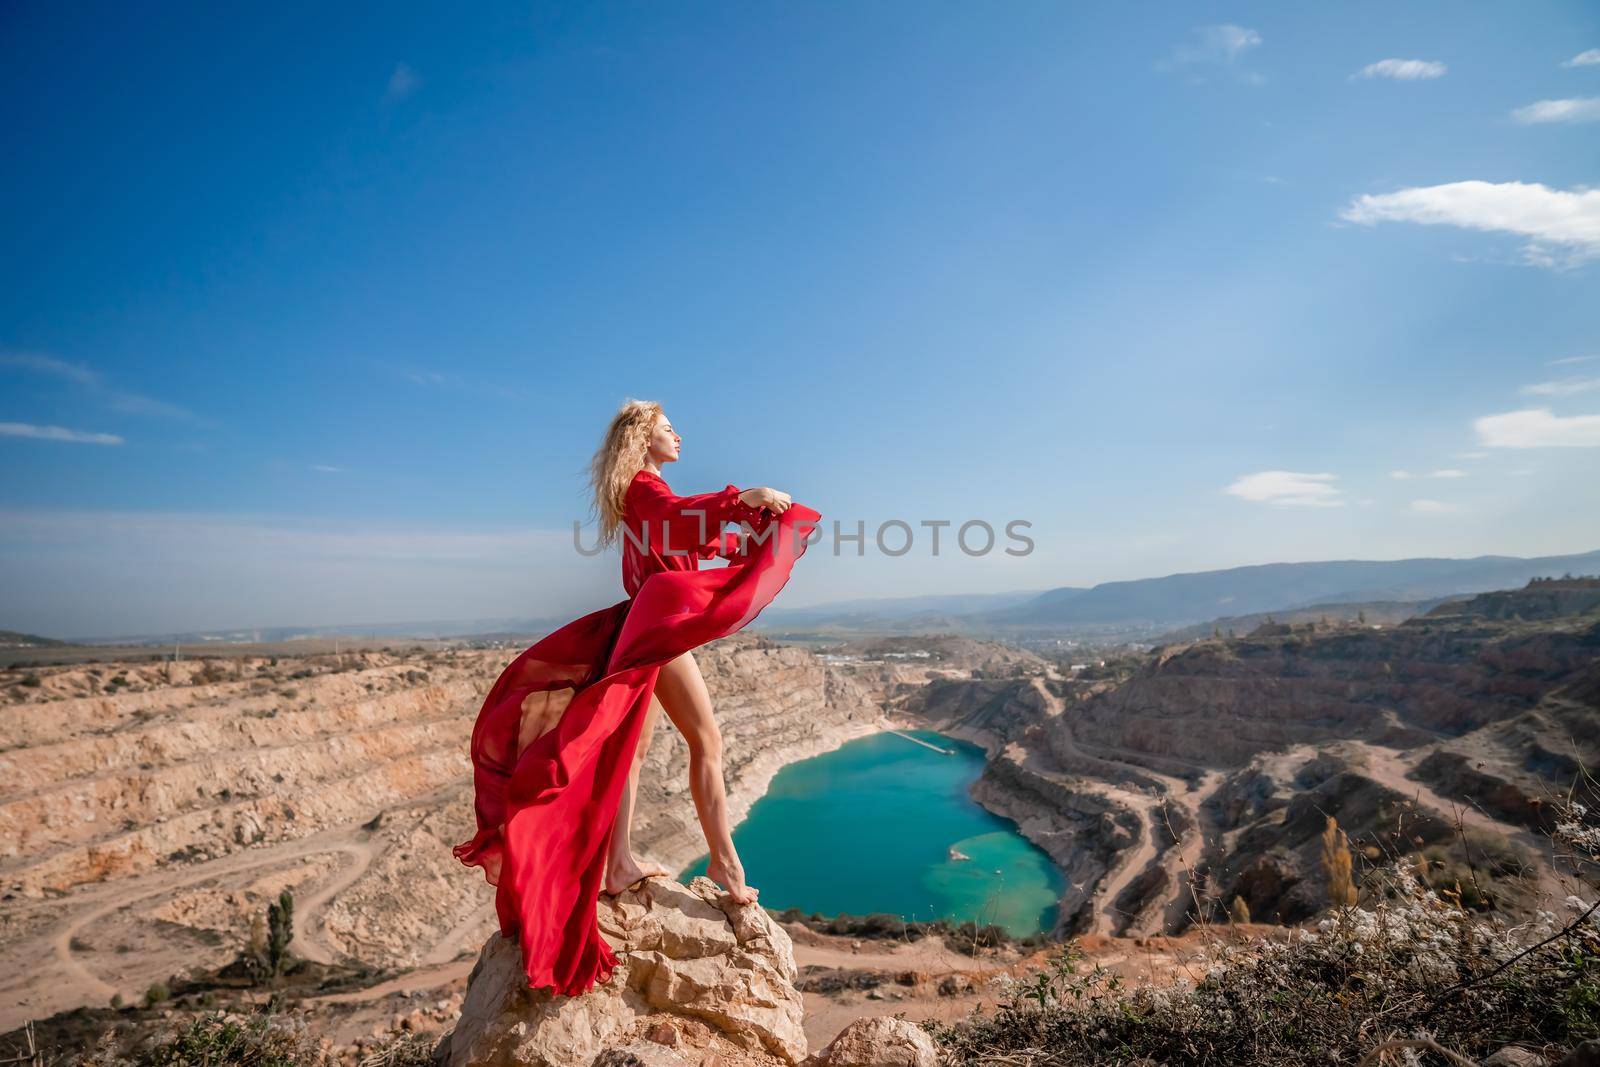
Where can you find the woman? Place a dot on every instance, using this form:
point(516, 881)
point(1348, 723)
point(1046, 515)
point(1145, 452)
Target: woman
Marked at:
point(554, 747)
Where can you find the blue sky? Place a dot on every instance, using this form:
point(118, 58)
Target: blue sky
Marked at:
point(314, 315)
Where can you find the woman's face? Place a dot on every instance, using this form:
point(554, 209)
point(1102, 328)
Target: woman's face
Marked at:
point(664, 442)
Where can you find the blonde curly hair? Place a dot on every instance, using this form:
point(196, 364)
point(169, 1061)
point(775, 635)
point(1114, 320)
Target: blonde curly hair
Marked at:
point(621, 455)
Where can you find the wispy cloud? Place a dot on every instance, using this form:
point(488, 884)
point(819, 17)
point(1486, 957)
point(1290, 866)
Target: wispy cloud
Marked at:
point(1569, 360)
point(1220, 46)
point(1576, 109)
point(1570, 387)
point(1431, 507)
point(402, 83)
point(59, 368)
point(1590, 58)
point(430, 379)
point(1563, 227)
point(1405, 70)
point(1538, 428)
point(57, 433)
point(1472, 455)
point(1217, 44)
point(1399, 476)
point(326, 468)
point(116, 399)
point(1447, 472)
point(1287, 489)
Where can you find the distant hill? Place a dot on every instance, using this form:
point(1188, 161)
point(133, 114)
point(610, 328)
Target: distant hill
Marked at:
point(932, 612)
point(1539, 599)
point(13, 639)
point(1183, 599)
point(1373, 612)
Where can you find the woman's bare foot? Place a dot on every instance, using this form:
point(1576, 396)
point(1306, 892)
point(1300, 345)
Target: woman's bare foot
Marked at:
point(730, 876)
point(622, 876)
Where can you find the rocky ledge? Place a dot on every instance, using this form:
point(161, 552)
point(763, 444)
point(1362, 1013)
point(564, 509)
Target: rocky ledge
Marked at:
point(701, 980)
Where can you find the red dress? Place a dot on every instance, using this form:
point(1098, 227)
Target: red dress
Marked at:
point(546, 804)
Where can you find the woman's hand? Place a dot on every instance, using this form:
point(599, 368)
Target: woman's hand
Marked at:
point(768, 498)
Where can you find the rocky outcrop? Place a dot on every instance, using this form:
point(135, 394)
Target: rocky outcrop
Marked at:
point(696, 971)
point(881, 1041)
point(1427, 680)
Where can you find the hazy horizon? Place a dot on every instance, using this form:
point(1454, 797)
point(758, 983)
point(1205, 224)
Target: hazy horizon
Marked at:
point(437, 623)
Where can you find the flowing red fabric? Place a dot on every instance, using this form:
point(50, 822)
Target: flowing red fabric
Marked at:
point(546, 804)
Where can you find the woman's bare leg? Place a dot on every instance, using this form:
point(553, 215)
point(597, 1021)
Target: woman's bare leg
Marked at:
point(622, 870)
point(687, 702)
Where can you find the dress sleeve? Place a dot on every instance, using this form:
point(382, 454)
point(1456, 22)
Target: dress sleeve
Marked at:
point(654, 502)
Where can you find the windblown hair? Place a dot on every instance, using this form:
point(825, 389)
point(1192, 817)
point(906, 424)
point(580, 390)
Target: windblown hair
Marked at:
point(620, 456)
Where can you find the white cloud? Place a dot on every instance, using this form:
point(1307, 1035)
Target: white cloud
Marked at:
point(1538, 428)
point(1217, 44)
point(1447, 472)
point(1472, 455)
point(57, 433)
point(1431, 507)
point(1218, 47)
point(1287, 489)
point(1570, 360)
point(1405, 70)
point(1591, 58)
point(1576, 109)
point(1399, 475)
point(1563, 227)
point(1570, 387)
point(326, 468)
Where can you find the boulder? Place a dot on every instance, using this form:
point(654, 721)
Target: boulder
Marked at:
point(685, 953)
point(640, 1053)
point(878, 1042)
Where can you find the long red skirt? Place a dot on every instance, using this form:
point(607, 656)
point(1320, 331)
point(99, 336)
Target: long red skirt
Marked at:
point(546, 805)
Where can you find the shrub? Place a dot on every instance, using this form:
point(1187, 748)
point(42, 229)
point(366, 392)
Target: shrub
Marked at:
point(280, 924)
point(215, 1039)
point(1337, 864)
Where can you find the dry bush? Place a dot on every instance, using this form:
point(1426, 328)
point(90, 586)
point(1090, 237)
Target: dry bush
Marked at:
point(1413, 965)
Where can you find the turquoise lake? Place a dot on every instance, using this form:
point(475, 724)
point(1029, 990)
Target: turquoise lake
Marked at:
point(869, 827)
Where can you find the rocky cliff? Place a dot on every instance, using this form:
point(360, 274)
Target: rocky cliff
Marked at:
point(148, 812)
point(1206, 772)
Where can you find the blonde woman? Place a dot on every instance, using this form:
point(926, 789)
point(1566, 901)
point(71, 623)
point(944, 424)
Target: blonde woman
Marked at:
point(556, 748)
